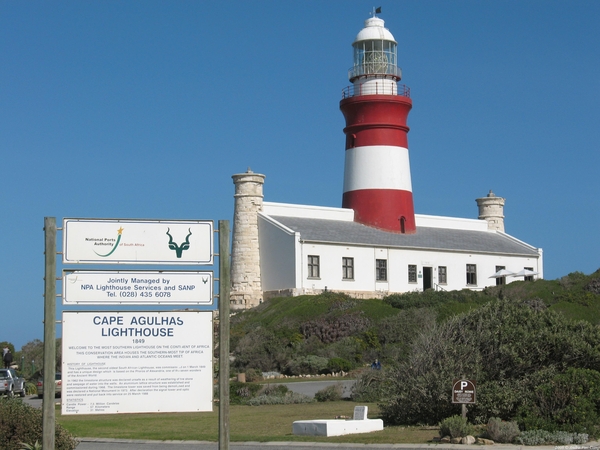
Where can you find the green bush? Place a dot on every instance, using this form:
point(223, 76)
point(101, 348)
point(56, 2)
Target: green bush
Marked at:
point(274, 389)
point(368, 386)
point(456, 426)
point(306, 365)
point(336, 365)
point(332, 393)
point(240, 393)
point(30, 388)
point(502, 431)
point(567, 402)
point(21, 423)
point(502, 344)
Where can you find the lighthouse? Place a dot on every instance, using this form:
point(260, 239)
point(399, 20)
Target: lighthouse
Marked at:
point(377, 182)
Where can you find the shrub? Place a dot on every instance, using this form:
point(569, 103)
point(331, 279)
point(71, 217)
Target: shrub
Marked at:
point(502, 431)
point(456, 426)
point(304, 365)
point(332, 393)
point(288, 399)
point(567, 402)
point(30, 388)
point(368, 386)
point(240, 393)
point(274, 389)
point(335, 365)
point(502, 344)
point(21, 423)
point(253, 375)
point(332, 329)
point(543, 437)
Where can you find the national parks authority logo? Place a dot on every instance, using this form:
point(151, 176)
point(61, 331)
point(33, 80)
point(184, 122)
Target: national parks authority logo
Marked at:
point(183, 246)
point(114, 242)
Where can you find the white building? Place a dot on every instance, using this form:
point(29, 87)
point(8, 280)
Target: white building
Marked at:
point(309, 249)
point(375, 244)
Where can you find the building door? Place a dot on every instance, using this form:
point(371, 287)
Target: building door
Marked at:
point(427, 278)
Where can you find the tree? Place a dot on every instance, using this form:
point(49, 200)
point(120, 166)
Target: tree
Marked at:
point(507, 347)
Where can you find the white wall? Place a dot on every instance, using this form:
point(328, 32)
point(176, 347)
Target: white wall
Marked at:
point(397, 268)
point(277, 255)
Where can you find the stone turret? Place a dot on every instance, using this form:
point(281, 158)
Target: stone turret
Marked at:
point(246, 286)
point(491, 208)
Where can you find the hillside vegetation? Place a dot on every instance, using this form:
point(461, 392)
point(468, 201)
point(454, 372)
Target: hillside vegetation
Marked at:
point(281, 332)
point(532, 347)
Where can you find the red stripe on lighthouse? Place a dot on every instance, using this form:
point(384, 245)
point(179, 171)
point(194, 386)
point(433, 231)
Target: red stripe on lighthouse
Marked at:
point(373, 207)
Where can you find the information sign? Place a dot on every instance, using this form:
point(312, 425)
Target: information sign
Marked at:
point(463, 391)
point(131, 287)
point(136, 362)
point(130, 241)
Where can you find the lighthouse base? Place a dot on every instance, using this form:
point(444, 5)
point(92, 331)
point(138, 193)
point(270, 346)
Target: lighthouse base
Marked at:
point(386, 209)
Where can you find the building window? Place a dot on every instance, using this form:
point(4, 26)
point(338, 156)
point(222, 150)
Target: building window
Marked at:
point(348, 268)
point(313, 266)
point(500, 280)
point(442, 275)
point(529, 277)
point(381, 269)
point(412, 273)
point(471, 274)
point(402, 225)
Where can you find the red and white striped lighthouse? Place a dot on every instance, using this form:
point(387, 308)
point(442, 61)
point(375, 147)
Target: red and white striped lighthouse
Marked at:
point(377, 183)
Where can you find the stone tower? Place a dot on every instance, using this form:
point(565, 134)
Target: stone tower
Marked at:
point(491, 208)
point(246, 286)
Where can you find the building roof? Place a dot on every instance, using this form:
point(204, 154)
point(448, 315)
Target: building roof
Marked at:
point(426, 238)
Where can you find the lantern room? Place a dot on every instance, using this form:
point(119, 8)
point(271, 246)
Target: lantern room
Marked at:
point(375, 53)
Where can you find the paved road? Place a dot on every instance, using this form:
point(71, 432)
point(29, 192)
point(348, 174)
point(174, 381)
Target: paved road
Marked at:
point(198, 445)
point(310, 388)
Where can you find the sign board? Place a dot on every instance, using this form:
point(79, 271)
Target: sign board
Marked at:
point(131, 287)
point(463, 391)
point(131, 241)
point(136, 362)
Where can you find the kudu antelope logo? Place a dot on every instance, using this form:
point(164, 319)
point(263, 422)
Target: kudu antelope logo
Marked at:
point(183, 246)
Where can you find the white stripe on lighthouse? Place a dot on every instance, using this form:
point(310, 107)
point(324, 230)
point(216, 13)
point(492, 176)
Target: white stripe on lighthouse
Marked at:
point(377, 167)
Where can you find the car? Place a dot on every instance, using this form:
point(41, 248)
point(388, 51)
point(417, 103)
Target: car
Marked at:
point(11, 383)
point(57, 386)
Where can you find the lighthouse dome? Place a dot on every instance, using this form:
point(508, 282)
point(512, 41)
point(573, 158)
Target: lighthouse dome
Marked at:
point(374, 30)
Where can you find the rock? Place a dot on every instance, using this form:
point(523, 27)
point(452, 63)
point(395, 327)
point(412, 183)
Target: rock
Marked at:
point(445, 440)
point(455, 440)
point(467, 440)
point(482, 441)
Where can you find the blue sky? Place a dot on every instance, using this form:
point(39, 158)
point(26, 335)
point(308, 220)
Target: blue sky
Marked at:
point(144, 109)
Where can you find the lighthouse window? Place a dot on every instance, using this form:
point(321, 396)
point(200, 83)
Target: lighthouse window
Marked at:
point(375, 57)
point(348, 268)
point(471, 274)
point(381, 269)
point(313, 266)
point(412, 273)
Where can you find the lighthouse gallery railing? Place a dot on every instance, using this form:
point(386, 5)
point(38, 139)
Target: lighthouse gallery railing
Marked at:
point(376, 89)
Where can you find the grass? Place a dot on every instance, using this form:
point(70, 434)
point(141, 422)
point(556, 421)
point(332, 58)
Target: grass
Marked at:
point(247, 423)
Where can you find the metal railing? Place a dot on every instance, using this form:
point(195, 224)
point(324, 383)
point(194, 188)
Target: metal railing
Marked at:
point(374, 68)
point(376, 89)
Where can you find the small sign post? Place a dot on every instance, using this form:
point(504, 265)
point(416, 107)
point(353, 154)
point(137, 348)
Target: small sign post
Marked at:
point(463, 392)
